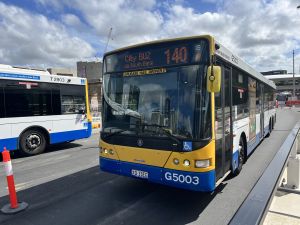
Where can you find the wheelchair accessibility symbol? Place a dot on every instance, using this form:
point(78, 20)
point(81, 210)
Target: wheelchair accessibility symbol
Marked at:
point(187, 146)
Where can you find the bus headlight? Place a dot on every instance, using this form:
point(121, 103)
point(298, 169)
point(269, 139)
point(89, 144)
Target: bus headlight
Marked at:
point(176, 161)
point(202, 163)
point(105, 150)
point(111, 151)
point(186, 162)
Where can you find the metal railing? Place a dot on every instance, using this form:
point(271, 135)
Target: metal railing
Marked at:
point(256, 205)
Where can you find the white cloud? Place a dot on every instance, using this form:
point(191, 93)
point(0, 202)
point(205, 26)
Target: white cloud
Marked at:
point(72, 20)
point(185, 21)
point(262, 32)
point(266, 32)
point(30, 39)
point(132, 21)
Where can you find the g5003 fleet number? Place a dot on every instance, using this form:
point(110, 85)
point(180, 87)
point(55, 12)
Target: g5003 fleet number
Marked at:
point(182, 178)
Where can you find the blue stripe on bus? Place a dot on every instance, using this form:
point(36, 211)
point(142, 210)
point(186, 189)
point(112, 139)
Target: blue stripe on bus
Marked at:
point(9, 143)
point(157, 174)
point(89, 133)
point(252, 146)
point(71, 135)
point(266, 130)
point(12, 143)
point(20, 76)
point(235, 160)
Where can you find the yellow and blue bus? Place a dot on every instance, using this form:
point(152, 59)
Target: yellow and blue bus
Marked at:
point(38, 109)
point(182, 112)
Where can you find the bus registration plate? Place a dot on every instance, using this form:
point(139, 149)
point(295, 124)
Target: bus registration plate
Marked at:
point(140, 174)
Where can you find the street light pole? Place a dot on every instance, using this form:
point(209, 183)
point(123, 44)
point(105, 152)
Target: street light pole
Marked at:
point(294, 91)
point(294, 94)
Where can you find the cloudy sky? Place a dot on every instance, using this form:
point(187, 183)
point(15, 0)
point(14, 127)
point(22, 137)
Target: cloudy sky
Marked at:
point(47, 33)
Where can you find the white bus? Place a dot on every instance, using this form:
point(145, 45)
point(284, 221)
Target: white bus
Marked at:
point(37, 109)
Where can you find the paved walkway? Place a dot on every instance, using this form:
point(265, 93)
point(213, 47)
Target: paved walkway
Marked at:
point(284, 209)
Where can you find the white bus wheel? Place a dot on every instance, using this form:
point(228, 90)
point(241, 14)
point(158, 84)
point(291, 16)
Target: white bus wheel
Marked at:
point(32, 142)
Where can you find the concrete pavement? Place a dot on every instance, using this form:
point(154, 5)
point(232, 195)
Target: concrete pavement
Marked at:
point(285, 207)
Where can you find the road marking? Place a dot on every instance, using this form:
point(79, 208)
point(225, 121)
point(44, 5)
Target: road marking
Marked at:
point(19, 186)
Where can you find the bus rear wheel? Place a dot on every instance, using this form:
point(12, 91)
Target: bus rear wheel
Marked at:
point(32, 142)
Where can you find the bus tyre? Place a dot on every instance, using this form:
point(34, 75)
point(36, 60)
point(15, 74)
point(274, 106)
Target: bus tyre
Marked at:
point(270, 128)
point(241, 157)
point(32, 142)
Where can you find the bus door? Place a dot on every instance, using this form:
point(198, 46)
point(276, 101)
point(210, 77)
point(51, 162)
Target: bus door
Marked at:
point(223, 103)
point(261, 110)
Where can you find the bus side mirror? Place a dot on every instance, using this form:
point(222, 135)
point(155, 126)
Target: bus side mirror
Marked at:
point(81, 111)
point(213, 83)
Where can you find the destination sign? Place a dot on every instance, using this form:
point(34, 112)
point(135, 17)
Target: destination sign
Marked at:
point(163, 54)
point(144, 72)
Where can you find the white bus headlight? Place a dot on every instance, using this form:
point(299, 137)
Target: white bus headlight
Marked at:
point(176, 161)
point(105, 150)
point(186, 162)
point(202, 163)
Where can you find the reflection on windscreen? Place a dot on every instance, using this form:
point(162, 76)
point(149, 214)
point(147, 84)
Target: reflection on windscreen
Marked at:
point(170, 99)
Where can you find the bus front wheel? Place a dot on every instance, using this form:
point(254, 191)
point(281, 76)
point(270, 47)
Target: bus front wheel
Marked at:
point(270, 128)
point(241, 157)
point(32, 142)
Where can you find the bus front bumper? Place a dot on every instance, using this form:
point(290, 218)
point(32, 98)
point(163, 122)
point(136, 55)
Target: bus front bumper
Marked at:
point(196, 181)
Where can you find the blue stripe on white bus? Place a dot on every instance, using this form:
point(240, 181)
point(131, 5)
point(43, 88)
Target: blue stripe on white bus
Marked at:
point(70, 135)
point(250, 148)
point(20, 76)
point(12, 143)
point(9, 143)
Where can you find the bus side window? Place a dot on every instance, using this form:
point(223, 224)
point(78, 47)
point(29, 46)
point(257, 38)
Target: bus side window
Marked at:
point(72, 100)
point(240, 93)
point(56, 101)
point(2, 109)
point(21, 101)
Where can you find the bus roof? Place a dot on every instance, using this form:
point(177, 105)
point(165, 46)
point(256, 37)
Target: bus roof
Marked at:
point(223, 52)
point(11, 73)
point(282, 76)
point(157, 42)
point(227, 55)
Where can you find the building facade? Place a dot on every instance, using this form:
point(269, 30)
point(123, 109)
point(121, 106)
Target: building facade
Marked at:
point(72, 72)
point(284, 83)
point(93, 72)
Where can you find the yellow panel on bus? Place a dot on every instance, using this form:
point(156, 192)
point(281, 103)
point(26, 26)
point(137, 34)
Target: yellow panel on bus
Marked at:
point(151, 157)
point(206, 153)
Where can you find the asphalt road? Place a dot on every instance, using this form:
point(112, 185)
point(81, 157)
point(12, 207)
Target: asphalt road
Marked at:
point(65, 186)
point(58, 161)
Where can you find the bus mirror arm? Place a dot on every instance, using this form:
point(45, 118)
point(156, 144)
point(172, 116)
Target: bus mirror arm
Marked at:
point(82, 111)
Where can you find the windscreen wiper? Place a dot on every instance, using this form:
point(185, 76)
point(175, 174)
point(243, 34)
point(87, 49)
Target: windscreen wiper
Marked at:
point(166, 132)
point(119, 132)
point(119, 108)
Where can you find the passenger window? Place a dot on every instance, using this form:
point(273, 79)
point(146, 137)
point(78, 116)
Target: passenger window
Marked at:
point(2, 109)
point(72, 100)
point(25, 100)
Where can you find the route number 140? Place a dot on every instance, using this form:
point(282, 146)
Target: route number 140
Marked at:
point(178, 55)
